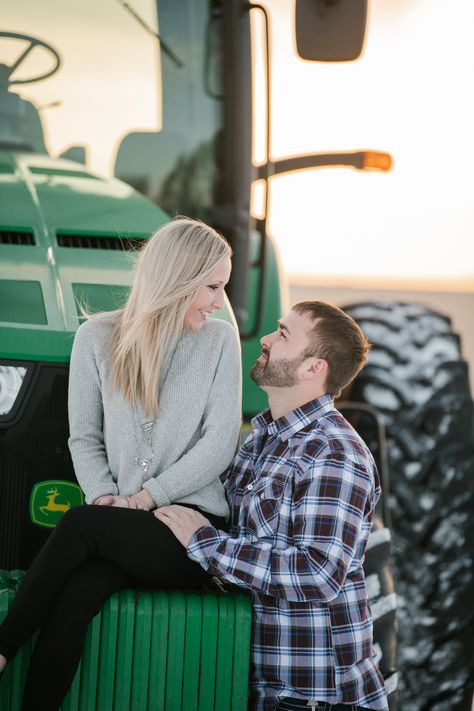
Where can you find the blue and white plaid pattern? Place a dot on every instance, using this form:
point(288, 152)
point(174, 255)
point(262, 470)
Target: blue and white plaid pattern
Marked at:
point(302, 492)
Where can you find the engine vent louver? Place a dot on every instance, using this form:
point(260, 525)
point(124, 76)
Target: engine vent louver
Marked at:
point(98, 242)
point(16, 237)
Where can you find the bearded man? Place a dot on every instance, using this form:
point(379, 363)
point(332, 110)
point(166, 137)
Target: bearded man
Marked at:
point(302, 492)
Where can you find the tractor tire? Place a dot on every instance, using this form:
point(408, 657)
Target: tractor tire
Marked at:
point(382, 600)
point(418, 381)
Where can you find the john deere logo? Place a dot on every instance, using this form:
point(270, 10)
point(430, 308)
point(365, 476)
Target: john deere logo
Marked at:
point(49, 500)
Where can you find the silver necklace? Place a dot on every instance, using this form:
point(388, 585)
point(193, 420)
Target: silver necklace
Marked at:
point(147, 427)
point(143, 458)
point(144, 462)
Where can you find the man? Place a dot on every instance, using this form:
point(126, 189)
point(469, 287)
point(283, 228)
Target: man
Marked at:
point(302, 492)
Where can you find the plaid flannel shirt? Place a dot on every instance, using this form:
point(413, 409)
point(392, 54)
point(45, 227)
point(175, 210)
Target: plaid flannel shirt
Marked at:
point(302, 492)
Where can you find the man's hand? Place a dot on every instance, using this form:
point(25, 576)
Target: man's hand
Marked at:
point(183, 522)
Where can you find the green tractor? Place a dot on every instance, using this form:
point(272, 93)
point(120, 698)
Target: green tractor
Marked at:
point(68, 236)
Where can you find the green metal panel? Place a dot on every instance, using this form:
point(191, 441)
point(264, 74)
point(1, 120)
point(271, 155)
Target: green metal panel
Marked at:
point(192, 643)
point(124, 653)
point(225, 656)
point(142, 648)
point(151, 651)
point(94, 298)
point(176, 636)
point(21, 301)
point(35, 344)
point(159, 648)
point(13, 677)
point(210, 609)
point(90, 666)
point(6, 598)
point(109, 632)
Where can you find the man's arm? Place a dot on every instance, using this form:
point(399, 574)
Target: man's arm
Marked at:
point(330, 503)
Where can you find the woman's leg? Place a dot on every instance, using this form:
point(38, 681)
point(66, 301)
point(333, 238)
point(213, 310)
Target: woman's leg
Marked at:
point(134, 542)
point(59, 645)
point(61, 555)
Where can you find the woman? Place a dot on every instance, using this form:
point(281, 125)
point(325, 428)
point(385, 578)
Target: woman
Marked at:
point(154, 411)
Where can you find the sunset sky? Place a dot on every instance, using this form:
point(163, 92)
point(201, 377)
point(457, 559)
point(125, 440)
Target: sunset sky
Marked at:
point(409, 95)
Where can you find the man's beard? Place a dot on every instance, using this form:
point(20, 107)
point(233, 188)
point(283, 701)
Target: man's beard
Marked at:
point(279, 374)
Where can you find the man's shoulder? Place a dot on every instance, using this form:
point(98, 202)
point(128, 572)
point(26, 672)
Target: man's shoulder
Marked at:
point(331, 437)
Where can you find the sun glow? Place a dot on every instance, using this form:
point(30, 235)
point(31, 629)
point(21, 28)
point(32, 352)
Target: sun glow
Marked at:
point(407, 96)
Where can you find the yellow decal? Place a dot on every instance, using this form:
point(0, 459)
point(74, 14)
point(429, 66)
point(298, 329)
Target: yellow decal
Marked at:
point(50, 500)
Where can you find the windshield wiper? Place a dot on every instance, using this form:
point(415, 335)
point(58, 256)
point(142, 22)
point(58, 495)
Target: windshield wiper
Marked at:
point(167, 50)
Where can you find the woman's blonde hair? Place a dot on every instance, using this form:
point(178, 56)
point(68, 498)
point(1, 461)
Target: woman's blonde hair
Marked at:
point(173, 264)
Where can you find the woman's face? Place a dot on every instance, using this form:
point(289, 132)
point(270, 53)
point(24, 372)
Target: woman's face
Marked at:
point(210, 296)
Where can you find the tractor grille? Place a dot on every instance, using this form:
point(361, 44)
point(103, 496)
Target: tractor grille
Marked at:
point(17, 237)
point(33, 448)
point(99, 242)
point(14, 509)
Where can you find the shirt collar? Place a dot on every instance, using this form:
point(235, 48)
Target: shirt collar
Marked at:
point(288, 425)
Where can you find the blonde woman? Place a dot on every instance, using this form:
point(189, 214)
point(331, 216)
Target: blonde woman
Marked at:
point(154, 410)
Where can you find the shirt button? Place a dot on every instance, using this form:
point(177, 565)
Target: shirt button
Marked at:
point(249, 487)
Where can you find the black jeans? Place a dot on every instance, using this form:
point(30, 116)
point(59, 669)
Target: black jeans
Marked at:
point(93, 552)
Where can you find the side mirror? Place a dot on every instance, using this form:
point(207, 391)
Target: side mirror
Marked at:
point(330, 30)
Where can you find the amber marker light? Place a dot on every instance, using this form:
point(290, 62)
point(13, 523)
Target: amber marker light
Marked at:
point(377, 160)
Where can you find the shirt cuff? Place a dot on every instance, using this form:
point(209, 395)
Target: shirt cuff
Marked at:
point(157, 492)
point(110, 489)
point(203, 545)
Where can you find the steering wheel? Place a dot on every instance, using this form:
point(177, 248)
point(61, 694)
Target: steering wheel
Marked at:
point(7, 70)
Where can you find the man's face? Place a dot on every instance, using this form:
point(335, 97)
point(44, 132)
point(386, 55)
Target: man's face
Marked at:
point(283, 352)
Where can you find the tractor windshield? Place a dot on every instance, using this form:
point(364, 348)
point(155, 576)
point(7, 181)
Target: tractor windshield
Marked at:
point(117, 102)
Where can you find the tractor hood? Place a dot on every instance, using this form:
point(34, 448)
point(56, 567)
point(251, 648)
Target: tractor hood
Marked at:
point(65, 239)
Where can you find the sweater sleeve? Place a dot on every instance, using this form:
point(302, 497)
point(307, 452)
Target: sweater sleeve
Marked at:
point(213, 452)
point(86, 441)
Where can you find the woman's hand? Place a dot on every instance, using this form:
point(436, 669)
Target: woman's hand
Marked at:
point(136, 502)
point(144, 500)
point(123, 502)
point(107, 500)
point(183, 522)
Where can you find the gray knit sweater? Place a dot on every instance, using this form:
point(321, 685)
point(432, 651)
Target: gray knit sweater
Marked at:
point(191, 442)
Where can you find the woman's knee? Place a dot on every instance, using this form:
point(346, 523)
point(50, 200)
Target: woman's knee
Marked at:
point(76, 514)
point(78, 521)
point(79, 516)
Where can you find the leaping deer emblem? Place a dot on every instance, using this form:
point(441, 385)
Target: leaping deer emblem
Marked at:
point(51, 495)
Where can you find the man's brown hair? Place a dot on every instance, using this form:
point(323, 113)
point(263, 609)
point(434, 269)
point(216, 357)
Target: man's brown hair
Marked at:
point(337, 339)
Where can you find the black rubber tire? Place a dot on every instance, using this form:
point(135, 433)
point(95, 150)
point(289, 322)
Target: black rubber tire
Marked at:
point(417, 379)
point(382, 600)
